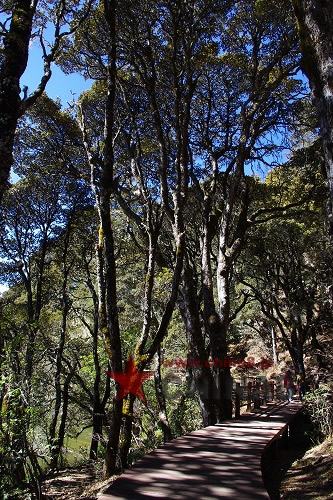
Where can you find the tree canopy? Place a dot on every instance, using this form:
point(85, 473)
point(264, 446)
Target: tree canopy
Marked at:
point(174, 215)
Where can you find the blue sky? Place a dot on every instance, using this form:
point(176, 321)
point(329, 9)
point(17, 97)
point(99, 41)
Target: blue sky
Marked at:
point(65, 87)
point(60, 85)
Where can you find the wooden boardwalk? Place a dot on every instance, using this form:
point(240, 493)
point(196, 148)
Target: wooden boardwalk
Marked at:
point(220, 461)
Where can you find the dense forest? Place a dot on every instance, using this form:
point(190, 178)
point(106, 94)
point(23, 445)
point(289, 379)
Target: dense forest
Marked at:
point(176, 214)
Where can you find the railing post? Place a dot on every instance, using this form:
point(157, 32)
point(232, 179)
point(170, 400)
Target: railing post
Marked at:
point(237, 401)
point(257, 395)
point(265, 389)
point(249, 396)
point(284, 438)
point(271, 384)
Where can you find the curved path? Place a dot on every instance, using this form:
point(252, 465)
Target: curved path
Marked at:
point(220, 461)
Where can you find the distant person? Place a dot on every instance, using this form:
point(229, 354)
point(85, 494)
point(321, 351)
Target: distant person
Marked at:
point(301, 387)
point(288, 384)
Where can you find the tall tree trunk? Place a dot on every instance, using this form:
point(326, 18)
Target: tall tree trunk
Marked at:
point(297, 339)
point(202, 375)
point(219, 348)
point(315, 28)
point(231, 242)
point(3, 389)
point(102, 185)
point(14, 63)
point(216, 324)
point(112, 332)
point(128, 406)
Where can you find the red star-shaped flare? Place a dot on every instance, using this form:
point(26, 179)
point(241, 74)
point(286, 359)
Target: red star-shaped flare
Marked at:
point(130, 381)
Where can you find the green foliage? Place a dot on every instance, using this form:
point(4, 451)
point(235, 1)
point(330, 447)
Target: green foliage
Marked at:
point(319, 406)
point(285, 265)
point(185, 416)
point(14, 418)
point(221, 75)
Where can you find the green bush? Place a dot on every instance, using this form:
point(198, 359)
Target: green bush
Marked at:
point(319, 406)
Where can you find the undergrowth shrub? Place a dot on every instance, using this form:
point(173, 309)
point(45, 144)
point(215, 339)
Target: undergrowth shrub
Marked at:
point(318, 404)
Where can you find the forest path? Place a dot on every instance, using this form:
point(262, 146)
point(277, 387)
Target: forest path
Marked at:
point(220, 461)
point(68, 484)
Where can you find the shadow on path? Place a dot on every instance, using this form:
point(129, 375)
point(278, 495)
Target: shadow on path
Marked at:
point(221, 461)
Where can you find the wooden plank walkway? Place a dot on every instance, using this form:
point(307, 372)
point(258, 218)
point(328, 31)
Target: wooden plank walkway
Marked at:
point(220, 461)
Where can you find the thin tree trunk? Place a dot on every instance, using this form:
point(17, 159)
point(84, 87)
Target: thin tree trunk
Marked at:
point(55, 449)
point(163, 415)
point(318, 350)
point(98, 405)
point(59, 442)
point(97, 430)
point(296, 350)
point(274, 352)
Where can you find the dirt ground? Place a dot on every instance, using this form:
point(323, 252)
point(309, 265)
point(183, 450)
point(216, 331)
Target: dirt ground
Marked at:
point(72, 484)
point(311, 476)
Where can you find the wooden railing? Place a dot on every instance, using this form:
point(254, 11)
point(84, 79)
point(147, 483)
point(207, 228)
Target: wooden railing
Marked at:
point(254, 395)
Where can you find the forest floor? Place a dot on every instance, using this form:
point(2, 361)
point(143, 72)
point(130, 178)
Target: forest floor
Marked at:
point(69, 484)
point(311, 476)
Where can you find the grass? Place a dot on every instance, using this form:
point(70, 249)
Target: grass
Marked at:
point(77, 449)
